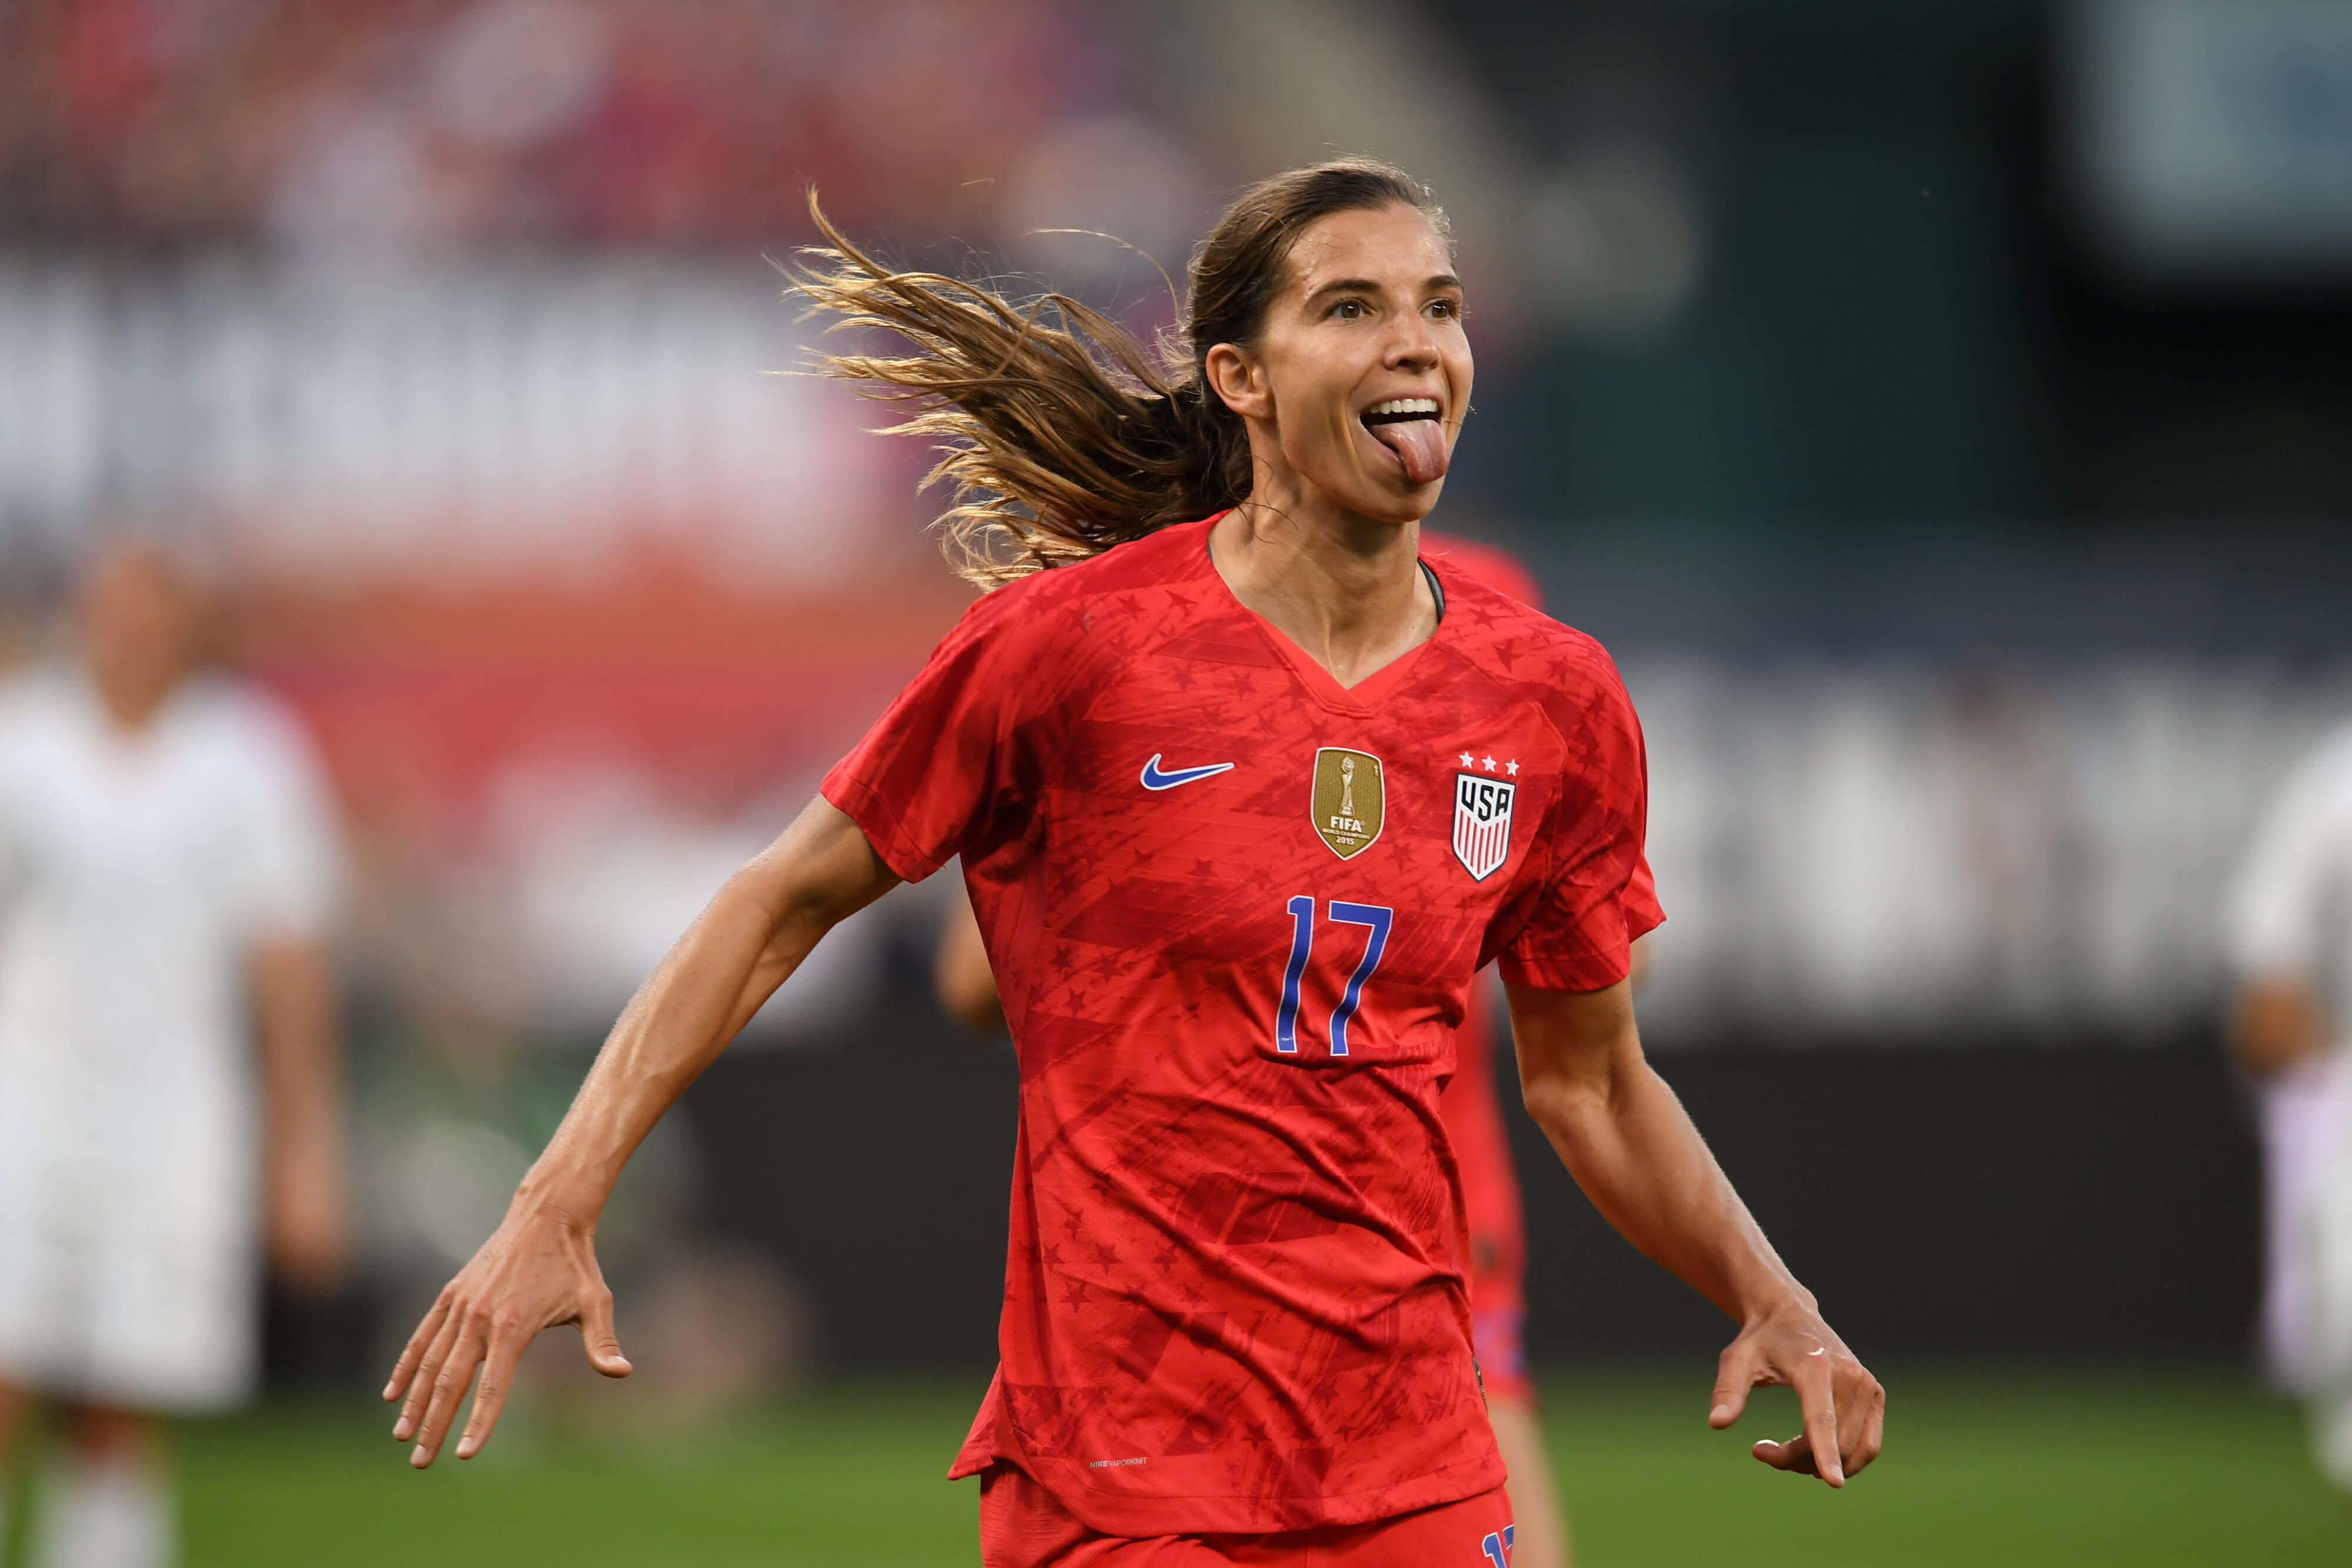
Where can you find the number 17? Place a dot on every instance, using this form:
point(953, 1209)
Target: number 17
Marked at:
point(1302, 946)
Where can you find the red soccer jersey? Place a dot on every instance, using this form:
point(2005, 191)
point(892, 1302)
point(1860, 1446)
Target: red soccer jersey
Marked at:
point(1493, 1240)
point(1234, 909)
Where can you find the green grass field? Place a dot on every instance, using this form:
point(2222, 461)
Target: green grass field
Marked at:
point(2014, 1467)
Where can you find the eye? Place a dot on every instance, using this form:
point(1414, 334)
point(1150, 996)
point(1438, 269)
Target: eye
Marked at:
point(1349, 310)
point(1446, 309)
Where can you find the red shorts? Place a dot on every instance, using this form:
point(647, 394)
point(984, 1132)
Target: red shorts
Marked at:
point(1022, 1526)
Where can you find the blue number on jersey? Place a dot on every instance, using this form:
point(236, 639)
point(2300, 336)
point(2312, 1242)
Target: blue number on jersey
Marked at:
point(1377, 918)
point(1302, 942)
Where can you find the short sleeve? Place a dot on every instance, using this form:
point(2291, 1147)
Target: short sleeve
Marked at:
point(291, 864)
point(2297, 865)
point(959, 757)
point(1587, 893)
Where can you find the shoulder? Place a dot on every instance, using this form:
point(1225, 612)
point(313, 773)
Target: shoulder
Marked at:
point(42, 706)
point(1518, 646)
point(1107, 601)
point(245, 727)
point(36, 695)
point(2315, 800)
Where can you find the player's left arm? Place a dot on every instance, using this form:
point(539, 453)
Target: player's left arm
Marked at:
point(1629, 1143)
point(961, 977)
point(306, 1182)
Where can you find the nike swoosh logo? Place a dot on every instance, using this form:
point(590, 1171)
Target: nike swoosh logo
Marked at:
point(1155, 779)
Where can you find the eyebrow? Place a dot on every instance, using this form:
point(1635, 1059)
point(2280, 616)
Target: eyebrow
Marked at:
point(1366, 286)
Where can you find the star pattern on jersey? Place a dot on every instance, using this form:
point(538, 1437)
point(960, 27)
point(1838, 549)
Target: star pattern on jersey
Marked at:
point(1472, 759)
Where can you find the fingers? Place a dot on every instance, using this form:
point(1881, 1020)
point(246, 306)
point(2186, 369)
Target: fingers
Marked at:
point(471, 1341)
point(518, 1284)
point(1860, 1418)
point(1795, 1456)
point(428, 1367)
point(1867, 1422)
point(1734, 1376)
point(596, 1335)
point(413, 1351)
point(1817, 1394)
point(507, 1343)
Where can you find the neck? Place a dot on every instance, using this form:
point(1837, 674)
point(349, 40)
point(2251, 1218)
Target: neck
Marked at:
point(133, 703)
point(1346, 588)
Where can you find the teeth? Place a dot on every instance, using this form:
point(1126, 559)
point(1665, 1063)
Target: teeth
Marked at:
point(1405, 405)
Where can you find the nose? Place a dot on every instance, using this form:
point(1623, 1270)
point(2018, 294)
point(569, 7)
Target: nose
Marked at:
point(1412, 346)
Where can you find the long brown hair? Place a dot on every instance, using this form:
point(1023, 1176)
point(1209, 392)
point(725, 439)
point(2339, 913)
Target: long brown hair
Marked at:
point(1059, 433)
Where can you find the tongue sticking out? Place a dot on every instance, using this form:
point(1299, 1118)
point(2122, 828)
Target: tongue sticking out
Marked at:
point(1420, 445)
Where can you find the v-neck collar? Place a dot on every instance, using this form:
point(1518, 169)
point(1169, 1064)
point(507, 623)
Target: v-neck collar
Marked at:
point(1366, 694)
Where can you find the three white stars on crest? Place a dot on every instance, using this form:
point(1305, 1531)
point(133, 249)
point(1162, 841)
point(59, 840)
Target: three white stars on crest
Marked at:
point(1510, 766)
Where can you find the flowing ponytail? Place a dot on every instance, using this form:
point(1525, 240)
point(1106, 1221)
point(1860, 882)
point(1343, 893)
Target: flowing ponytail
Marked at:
point(1060, 436)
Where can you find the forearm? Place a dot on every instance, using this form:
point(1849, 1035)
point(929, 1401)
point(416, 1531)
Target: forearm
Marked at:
point(1632, 1148)
point(301, 1061)
point(1629, 1143)
point(754, 933)
point(307, 1185)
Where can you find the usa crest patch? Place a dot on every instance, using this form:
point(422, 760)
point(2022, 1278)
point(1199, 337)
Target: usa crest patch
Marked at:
point(1482, 823)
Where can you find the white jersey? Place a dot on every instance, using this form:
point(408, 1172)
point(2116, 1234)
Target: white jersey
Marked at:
point(2290, 909)
point(138, 873)
point(2290, 918)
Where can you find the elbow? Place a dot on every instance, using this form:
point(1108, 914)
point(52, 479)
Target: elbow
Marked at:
point(980, 1016)
point(1557, 1104)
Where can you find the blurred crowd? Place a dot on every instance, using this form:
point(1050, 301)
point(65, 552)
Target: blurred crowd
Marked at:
point(413, 123)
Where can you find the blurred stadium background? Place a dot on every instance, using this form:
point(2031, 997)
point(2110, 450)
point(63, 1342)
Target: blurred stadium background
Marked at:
point(1940, 409)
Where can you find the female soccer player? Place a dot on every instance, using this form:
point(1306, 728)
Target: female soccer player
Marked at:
point(1245, 793)
point(1492, 1245)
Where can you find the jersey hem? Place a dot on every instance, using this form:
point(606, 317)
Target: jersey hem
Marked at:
point(1112, 1514)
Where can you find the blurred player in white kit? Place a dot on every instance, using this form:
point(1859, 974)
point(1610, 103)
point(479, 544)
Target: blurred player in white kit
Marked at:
point(2290, 929)
point(169, 1080)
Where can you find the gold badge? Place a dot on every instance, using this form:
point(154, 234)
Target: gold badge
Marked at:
point(1348, 800)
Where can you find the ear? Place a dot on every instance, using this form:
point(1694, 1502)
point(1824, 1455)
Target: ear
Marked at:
point(1240, 381)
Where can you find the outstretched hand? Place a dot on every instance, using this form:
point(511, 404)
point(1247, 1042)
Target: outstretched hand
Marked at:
point(1845, 1408)
point(538, 1270)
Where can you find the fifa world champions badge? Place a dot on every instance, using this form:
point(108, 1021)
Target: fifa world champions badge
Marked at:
point(1482, 823)
point(1348, 801)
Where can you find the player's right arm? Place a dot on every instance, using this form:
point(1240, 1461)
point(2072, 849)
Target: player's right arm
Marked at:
point(539, 1267)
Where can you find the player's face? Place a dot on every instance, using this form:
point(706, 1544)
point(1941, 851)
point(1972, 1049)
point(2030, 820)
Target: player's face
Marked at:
point(1364, 364)
point(139, 630)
